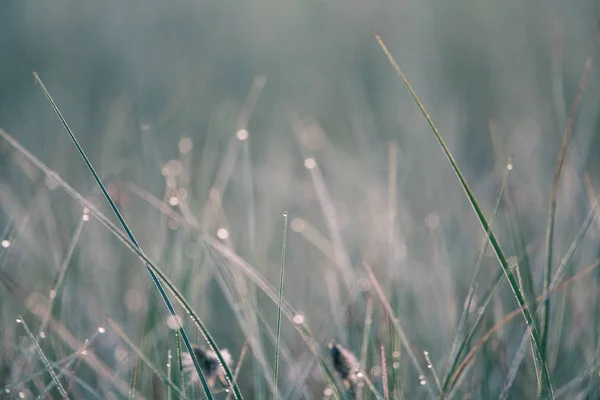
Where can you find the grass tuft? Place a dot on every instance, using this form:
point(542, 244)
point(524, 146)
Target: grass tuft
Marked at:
point(543, 375)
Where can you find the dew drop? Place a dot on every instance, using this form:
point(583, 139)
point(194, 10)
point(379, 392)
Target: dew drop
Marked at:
point(84, 352)
point(423, 382)
point(242, 134)
point(19, 321)
point(43, 335)
point(21, 395)
point(101, 329)
point(6, 243)
point(328, 391)
point(298, 319)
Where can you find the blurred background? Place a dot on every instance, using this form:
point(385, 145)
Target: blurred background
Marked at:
point(207, 120)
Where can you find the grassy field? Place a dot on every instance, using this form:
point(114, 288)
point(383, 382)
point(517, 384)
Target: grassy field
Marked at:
point(303, 200)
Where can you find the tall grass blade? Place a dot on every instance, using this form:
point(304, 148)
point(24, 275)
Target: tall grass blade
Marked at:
point(461, 338)
point(43, 357)
point(545, 313)
point(134, 241)
point(180, 366)
point(542, 372)
point(285, 228)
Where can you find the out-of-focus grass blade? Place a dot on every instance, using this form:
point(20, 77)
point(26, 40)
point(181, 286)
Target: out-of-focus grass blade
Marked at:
point(460, 339)
point(285, 228)
point(134, 241)
point(44, 359)
point(545, 312)
point(542, 373)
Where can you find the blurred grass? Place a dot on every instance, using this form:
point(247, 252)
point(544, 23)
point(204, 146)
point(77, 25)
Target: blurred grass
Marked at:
point(205, 122)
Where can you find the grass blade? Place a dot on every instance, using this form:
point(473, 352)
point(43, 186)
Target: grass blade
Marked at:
point(180, 365)
point(461, 340)
point(542, 372)
point(545, 312)
point(134, 241)
point(43, 357)
point(285, 228)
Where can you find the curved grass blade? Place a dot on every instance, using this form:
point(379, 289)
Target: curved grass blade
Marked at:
point(545, 313)
point(134, 241)
point(543, 375)
point(285, 228)
point(250, 272)
point(44, 359)
point(460, 340)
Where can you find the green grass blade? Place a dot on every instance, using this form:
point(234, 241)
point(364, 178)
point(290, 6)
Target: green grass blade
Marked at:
point(180, 365)
point(545, 312)
point(276, 374)
point(133, 379)
point(44, 359)
point(132, 238)
point(542, 372)
point(460, 338)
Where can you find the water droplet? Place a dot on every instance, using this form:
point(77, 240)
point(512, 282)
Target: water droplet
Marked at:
point(6, 243)
point(43, 335)
point(222, 233)
point(421, 377)
point(328, 391)
point(242, 134)
point(426, 352)
point(285, 213)
point(423, 382)
point(173, 201)
point(310, 163)
point(85, 217)
point(19, 321)
point(226, 390)
point(359, 374)
point(396, 365)
point(22, 395)
point(298, 319)
point(509, 167)
point(84, 352)
point(396, 354)
point(7, 390)
point(429, 366)
point(185, 145)
point(101, 329)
